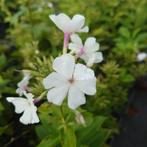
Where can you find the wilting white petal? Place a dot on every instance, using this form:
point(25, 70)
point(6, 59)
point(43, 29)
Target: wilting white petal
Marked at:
point(91, 45)
point(64, 65)
point(75, 98)
point(27, 107)
point(53, 80)
point(85, 79)
point(19, 103)
point(62, 21)
point(57, 95)
point(29, 116)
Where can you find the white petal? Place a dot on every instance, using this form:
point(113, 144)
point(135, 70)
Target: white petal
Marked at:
point(24, 81)
point(19, 91)
point(91, 45)
point(96, 57)
point(83, 73)
point(53, 80)
point(64, 65)
point(62, 21)
point(85, 79)
point(76, 44)
point(76, 39)
point(74, 47)
point(85, 29)
point(77, 23)
point(30, 115)
point(19, 103)
point(57, 95)
point(35, 118)
point(87, 86)
point(26, 117)
point(75, 98)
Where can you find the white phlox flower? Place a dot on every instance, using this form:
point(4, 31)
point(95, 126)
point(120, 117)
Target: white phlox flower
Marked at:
point(71, 80)
point(68, 25)
point(23, 84)
point(25, 106)
point(88, 52)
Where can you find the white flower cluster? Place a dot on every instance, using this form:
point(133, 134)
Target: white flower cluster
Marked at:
point(69, 79)
point(25, 105)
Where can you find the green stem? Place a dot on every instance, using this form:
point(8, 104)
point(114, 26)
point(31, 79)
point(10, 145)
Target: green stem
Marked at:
point(63, 119)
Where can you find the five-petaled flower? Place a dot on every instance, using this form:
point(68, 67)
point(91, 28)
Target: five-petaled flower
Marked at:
point(71, 80)
point(23, 84)
point(68, 25)
point(88, 51)
point(25, 106)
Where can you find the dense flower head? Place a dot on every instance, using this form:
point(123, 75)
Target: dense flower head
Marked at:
point(71, 80)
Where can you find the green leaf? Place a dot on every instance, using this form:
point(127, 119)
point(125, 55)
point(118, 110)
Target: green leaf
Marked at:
point(124, 32)
point(90, 134)
point(49, 142)
point(3, 60)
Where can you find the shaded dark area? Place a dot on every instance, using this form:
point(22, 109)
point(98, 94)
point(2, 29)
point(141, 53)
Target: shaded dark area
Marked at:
point(134, 123)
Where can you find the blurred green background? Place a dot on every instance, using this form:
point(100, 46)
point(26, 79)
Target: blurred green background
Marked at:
point(29, 40)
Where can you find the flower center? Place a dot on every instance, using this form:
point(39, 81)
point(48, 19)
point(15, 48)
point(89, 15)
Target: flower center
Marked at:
point(81, 52)
point(71, 81)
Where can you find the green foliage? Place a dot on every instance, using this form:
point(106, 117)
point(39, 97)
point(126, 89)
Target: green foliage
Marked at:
point(31, 42)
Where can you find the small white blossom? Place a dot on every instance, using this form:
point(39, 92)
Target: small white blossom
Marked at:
point(23, 84)
point(71, 80)
point(25, 106)
point(141, 56)
point(68, 25)
point(88, 51)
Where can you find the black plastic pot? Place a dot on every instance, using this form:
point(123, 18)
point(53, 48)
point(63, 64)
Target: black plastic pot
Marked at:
point(134, 123)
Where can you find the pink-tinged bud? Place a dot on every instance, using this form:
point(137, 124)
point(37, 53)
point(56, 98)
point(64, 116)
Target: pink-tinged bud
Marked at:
point(80, 119)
